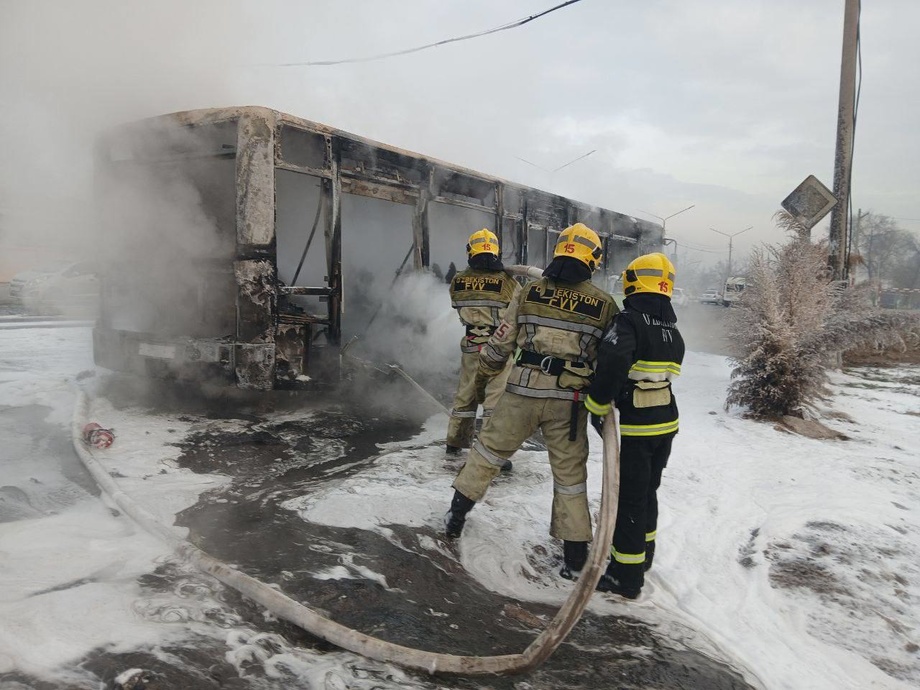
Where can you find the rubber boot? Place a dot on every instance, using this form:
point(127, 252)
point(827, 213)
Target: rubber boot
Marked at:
point(649, 554)
point(574, 556)
point(622, 579)
point(455, 518)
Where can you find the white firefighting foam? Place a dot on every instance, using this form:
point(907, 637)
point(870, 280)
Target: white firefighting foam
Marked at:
point(774, 549)
point(794, 558)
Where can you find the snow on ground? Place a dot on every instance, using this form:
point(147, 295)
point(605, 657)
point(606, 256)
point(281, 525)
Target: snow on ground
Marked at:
point(71, 566)
point(795, 559)
point(70, 569)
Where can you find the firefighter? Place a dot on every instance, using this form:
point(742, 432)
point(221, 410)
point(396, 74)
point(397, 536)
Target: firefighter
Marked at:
point(480, 294)
point(639, 357)
point(556, 324)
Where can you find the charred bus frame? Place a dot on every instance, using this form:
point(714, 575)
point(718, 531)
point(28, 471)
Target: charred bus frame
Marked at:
point(264, 343)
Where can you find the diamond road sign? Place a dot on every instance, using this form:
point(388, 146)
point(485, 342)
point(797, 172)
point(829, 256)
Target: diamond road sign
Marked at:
point(809, 202)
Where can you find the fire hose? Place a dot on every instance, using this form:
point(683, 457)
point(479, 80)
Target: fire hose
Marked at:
point(355, 641)
point(371, 647)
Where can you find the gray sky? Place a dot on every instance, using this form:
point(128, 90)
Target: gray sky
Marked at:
point(725, 105)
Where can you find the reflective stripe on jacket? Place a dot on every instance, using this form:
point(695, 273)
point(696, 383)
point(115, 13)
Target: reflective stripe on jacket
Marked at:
point(552, 319)
point(639, 357)
point(481, 298)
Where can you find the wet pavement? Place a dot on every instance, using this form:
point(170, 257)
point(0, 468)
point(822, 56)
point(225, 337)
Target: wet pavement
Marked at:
point(430, 603)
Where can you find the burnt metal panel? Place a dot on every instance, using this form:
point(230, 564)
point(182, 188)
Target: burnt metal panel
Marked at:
point(462, 187)
point(292, 347)
point(332, 197)
point(315, 172)
point(302, 148)
point(254, 365)
point(379, 191)
point(420, 227)
point(256, 300)
point(512, 200)
point(366, 161)
point(512, 244)
point(255, 178)
point(150, 354)
point(256, 308)
point(546, 210)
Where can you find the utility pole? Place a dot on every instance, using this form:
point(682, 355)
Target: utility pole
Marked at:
point(843, 158)
point(730, 238)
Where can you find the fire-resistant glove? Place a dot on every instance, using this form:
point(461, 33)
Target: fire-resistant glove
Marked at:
point(598, 412)
point(484, 374)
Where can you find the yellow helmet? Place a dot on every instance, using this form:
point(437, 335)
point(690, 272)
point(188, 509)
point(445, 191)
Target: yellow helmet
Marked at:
point(482, 242)
point(652, 273)
point(580, 242)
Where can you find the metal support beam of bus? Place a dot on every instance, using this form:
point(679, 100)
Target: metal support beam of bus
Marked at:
point(360, 643)
point(298, 290)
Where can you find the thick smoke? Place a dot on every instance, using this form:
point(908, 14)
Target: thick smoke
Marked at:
point(70, 71)
point(96, 65)
point(166, 208)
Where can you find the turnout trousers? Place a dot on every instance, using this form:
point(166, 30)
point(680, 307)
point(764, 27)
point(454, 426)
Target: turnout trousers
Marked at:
point(463, 414)
point(514, 420)
point(642, 461)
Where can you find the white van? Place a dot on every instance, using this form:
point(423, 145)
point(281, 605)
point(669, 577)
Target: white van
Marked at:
point(734, 288)
point(679, 297)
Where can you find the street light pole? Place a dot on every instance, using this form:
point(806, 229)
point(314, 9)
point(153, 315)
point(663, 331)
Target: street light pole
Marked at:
point(664, 223)
point(730, 238)
point(670, 240)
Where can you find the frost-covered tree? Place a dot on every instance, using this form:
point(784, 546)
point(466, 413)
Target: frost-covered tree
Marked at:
point(792, 323)
point(889, 253)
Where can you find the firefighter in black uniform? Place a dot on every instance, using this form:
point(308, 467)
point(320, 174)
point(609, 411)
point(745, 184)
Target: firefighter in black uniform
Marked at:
point(639, 356)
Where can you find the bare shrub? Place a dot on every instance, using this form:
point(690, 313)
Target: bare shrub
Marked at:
point(791, 326)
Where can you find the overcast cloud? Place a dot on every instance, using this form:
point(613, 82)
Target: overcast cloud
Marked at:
point(727, 106)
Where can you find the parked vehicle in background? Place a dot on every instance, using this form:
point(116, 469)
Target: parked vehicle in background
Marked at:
point(679, 297)
point(27, 281)
point(734, 288)
point(711, 296)
point(57, 288)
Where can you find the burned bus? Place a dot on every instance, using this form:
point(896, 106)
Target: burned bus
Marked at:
point(243, 244)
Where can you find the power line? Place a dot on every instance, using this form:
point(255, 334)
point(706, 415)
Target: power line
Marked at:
point(503, 27)
point(700, 249)
point(573, 161)
point(564, 165)
point(524, 160)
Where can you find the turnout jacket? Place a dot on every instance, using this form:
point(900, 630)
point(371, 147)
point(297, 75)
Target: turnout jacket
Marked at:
point(638, 358)
point(481, 298)
point(555, 327)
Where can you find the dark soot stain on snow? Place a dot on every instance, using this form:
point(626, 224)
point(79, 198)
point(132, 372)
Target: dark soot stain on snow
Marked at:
point(429, 600)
